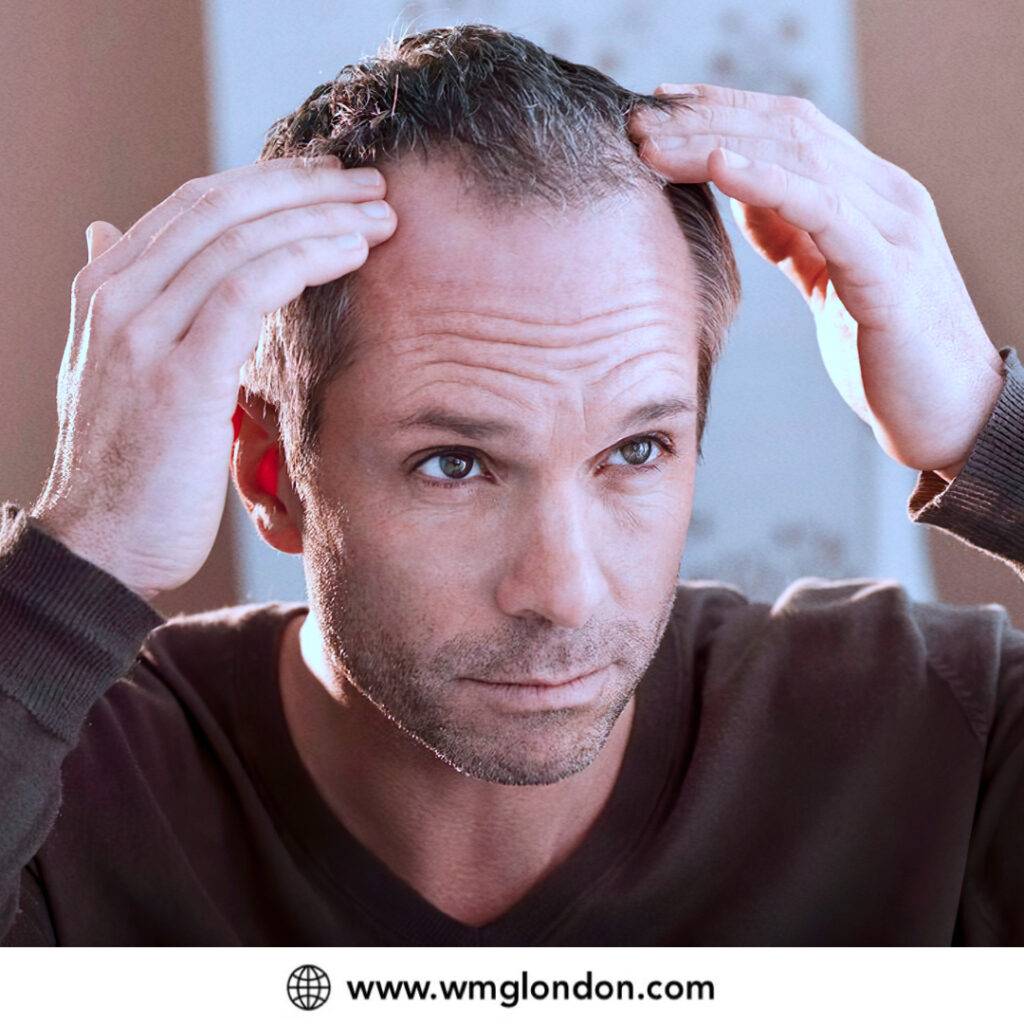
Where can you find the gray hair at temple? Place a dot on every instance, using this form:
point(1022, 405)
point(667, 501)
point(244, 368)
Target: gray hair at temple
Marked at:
point(525, 127)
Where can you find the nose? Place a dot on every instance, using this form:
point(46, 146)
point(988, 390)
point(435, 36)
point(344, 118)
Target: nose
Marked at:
point(554, 567)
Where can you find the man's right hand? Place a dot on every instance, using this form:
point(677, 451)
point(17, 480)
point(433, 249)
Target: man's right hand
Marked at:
point(162, 320)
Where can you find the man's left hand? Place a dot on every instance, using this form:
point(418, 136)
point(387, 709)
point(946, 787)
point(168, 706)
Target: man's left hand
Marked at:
point(861, 240)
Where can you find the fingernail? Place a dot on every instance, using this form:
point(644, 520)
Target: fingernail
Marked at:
point(378, 208)
point(736, 160)
point(366, 175)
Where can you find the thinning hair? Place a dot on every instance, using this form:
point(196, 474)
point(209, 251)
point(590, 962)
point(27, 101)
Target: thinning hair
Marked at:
point(524, 127)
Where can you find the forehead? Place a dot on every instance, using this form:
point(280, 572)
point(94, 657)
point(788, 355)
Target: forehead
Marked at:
point(534, 305)
point(562, 265)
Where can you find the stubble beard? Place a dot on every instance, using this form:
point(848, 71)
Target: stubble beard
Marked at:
point(423, 696)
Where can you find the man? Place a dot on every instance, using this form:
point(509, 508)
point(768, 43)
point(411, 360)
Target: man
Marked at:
point(501, 719)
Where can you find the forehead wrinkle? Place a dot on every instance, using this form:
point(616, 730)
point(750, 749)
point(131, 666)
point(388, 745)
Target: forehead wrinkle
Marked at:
point(468, 384)
point(486, 339)
point(668, 310)
point(590, 385)
point(520, 375)
point(571, 322)
point(444, 413)
point(483, 366)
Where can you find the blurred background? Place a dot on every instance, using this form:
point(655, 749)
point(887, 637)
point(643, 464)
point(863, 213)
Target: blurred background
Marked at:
point(111, 106)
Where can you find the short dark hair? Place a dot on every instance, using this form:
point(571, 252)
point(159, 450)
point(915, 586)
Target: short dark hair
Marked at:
point(525, 127)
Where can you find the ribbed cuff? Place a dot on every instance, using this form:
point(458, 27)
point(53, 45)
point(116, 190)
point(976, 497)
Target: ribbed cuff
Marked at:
point(68, 629)
point(984, 503)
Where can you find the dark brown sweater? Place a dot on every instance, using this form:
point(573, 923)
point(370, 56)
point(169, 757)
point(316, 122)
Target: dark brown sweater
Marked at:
point(842, 766)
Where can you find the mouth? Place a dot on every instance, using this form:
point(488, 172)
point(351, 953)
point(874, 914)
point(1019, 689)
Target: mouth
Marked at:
point(538, 694)
point(543, 683)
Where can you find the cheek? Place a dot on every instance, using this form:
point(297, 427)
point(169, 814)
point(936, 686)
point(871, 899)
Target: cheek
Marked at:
point(642, 573)
point(416, 563)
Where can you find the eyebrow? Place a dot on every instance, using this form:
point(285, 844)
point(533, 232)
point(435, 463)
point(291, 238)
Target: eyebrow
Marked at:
point(479, 429)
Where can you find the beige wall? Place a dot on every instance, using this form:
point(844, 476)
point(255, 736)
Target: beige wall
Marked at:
point(942, 82)
point(105, 113)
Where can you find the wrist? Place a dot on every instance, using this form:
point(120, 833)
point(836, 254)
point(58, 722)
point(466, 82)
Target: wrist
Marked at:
point(993, 389)
point(48, 523)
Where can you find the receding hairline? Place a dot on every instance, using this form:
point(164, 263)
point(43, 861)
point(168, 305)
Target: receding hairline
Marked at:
point(363, 115)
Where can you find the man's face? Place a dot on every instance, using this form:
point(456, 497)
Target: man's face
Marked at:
point(542, 549)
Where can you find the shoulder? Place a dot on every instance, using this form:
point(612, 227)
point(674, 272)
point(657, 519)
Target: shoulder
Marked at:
point(859, 638)
point(701, 606)
point(162, 754)
point(855, 610)
point(183, 684)
point(203, 643)
point(879, 618)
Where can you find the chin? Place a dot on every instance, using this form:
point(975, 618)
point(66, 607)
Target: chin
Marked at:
point(521, 772)
point(538, 755)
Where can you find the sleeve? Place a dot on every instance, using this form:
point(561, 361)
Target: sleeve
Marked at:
point(984, 504)
point(68, 631)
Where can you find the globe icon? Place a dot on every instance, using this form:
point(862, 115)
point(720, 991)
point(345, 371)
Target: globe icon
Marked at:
point(308, 987)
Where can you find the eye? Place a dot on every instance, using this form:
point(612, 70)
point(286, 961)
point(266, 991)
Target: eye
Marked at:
point(637, 451)
point(453, 465)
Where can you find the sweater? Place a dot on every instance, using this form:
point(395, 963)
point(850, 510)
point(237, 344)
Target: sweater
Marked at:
point(843, 765)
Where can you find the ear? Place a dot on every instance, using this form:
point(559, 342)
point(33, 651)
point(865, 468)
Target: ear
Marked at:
point(260, 475)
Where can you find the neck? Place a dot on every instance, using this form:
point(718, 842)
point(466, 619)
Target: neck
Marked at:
point(471, 848)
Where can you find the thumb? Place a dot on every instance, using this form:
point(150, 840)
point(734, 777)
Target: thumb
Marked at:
point(99, 237)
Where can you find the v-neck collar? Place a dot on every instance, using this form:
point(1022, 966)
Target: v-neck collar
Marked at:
point(352, 874)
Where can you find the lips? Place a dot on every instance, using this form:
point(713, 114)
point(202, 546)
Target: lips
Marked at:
point(542, 682)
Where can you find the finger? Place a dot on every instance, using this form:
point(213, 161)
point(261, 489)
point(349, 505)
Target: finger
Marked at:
point(99, 237)
point(790, 249)
point(839, 228)
point(169, 316)
point(135, 240)
point(742, 128)
point(223, 207)
point(685, 158)
point(228, 326)
point(762, 102)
